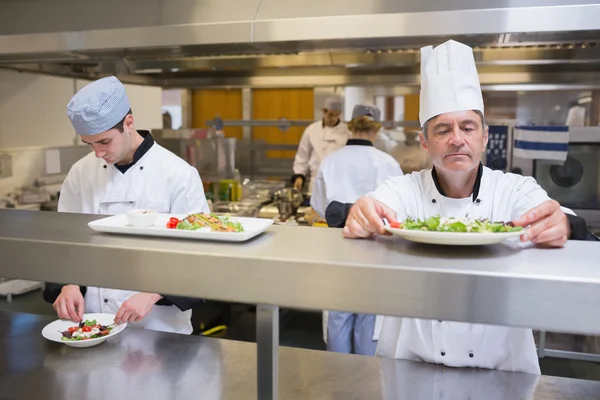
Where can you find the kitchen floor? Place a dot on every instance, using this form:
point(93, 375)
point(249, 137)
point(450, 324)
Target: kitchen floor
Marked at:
point(301, 329)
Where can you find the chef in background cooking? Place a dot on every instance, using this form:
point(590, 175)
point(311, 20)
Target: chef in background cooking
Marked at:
point(346, 174)
point(126, 170)
point(320, 139)
point(455, 136)
point(410, 155)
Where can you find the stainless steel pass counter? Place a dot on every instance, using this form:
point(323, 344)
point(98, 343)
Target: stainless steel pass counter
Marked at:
point(140, 364)
point(313, 268)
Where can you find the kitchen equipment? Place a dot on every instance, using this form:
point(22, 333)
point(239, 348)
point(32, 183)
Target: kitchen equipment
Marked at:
point(288, 200)
point(244, 208)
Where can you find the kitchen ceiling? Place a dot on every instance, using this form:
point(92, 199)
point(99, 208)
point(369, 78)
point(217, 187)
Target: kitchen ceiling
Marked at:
point(185, 43)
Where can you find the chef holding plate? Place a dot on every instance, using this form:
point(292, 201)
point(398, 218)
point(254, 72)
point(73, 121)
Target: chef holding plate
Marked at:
point(455, 135)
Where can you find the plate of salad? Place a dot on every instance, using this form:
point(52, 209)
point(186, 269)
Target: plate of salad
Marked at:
point(91, 331)
point(454, 231)
point(191, 226)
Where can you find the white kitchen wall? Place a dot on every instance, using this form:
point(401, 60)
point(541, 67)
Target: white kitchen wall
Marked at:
point(33, 117)
point(32, 110)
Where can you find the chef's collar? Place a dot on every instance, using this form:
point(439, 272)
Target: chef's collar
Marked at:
point(139, 152)
point(359, 142)
point(324, 126)
point(476, 186)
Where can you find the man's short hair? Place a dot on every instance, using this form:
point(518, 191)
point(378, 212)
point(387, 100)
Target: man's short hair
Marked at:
point(425, 127)
point(119, 125)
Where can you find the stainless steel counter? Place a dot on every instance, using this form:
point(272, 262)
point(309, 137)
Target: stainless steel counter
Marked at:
point(148, 365)
point(315, 268)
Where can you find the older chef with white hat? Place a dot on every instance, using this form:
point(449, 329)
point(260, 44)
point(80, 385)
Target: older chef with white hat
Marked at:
point(125, 171)
point(320, 139)
point(455, 136)
point(346, 174)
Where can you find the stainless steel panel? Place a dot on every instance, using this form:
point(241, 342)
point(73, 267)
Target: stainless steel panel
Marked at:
point(415, 24)
point(315, 268)
point(141, 364)
point(267, 351)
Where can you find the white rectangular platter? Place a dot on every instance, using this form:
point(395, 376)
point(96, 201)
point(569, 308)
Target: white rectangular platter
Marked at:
point(120, 225)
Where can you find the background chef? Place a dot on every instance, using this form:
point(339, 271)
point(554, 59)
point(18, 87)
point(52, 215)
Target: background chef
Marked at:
point(125, 171)
point(320, 139)
point(455, 136)
point(346, 174)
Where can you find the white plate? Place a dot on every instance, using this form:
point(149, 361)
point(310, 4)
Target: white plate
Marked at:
point(453, 238)
point(119, 224)
point(53, 330)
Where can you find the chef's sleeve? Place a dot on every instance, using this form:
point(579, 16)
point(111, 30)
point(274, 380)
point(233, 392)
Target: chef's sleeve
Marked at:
point(318, 199)
point(183, 303)
point(336, 214)
point(398, 194)
point(188, 194)
point(531, 195)
point(302, 158)
point(69, 199)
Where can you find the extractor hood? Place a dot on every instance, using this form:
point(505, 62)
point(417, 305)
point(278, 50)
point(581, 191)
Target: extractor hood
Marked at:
point(209, 42)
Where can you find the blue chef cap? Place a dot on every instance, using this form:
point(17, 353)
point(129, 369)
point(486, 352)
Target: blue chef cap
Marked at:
point(98, 106)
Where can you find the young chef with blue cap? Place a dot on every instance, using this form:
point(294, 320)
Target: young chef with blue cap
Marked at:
point(455, 136)
point(346, 174)
point(125, 171)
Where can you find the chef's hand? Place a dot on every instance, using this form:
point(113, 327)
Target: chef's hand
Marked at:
point(298, 183)
point(136, 307)
point(366, 218)
point(549, 225)
point(70, 304)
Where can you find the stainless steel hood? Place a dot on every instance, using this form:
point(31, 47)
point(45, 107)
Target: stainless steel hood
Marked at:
point(216, 42)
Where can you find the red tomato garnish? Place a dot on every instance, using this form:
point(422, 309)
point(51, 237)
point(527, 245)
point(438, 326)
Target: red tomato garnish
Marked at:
point(396, 225)
point(172, 224)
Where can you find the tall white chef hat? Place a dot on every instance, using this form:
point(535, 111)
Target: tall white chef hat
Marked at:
point(98, 106)
point(449, 80)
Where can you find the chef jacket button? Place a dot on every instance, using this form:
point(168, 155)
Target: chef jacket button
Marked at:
point(433, 201)
point(106, 300)
point(141, 168)
point(478, 201)
point(471, 355)
point(105, 167)
point(443, 353)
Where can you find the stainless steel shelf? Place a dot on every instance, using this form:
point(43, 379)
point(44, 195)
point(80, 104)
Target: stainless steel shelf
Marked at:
point(315, 268)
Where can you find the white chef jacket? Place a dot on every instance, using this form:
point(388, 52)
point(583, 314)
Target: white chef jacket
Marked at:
point(317, 142)
point(501, 197)
point(159, 181)
point(351, 172)
point(346, 174)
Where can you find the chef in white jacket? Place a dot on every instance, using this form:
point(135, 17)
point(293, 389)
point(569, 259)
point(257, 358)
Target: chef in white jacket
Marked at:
point(320, 139)
point(455, 135)
point(126, 170)
point(346, 174)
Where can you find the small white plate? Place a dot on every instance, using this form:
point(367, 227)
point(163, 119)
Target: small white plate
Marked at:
point(120, 225)
point(53, 330)
point(453, 238)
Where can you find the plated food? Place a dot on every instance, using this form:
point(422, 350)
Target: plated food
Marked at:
point(465, 225)
point(454, 231)
point(209, 222)
point(86, 330)
point(95, 329)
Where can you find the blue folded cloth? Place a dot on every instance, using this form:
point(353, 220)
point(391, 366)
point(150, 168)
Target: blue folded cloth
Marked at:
point(541, 142)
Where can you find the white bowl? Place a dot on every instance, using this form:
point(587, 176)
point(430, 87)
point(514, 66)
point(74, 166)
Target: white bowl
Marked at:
point(53, 331)
point(142, 217)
